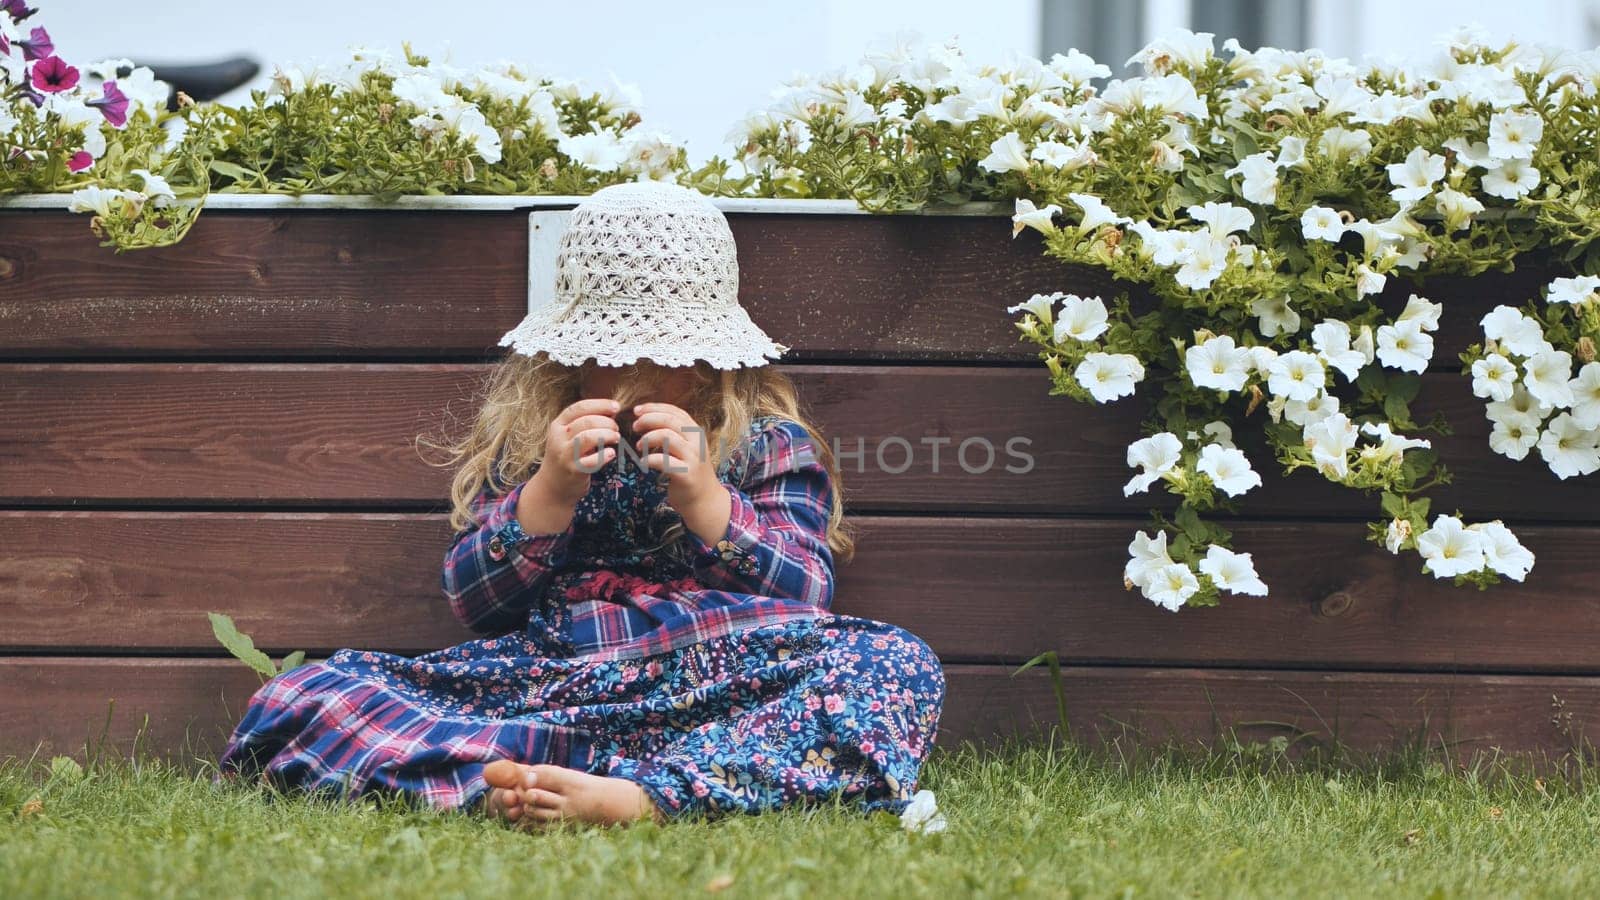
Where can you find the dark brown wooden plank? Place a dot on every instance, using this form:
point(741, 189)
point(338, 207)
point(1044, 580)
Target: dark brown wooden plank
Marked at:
point(978, 590)
point(285, 284)
point(326, 283)
point(320, 434)
point(186, 707)
point(323, 284)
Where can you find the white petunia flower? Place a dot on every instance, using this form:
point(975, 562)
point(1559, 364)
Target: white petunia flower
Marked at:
point(1276, 316)
point(1309, 412)
point(1319, 223)
point(1511, 179)
point(1332, 340)
point(1171, 586)
point(1177, 46)
point(1219, 433)
point(1218, 364)
point(1569, 450)
point(1340, 143)
point(158, 193)
point(1066, 157)
point(1493, 377)
point(1330, 442)
point(1006, 154)
point(105, 201)
point(1502, 552)
point(1232, 572)
point(1296, 375)
point(1456, 208)
point(1577, 290)
point(1450, 549)
point(1394, 538)
point(1368, 281)
point(1474, 153)
point(1165, 248)
point(1422, 311)
point(1224, 218)
point(1108, 376)
point(1155, 456)
point(1414, 178)
point(1515, 331)
point(1228, 469)
point(1521, 403)
point(598, 150)
point(1030, 216)
point(1586, 396)
point(1514, 135)
point(1405, 346)
point(1548, 376)
point(923, 816)
point(1365, 344)
point(1260, 184)
point(1261, 357)
point(1146, 555)
point(1390, 445)
point(1081, 319)
point(1096, 213)
point(1204, 262)
point(1041, 306)
point(1514, 434)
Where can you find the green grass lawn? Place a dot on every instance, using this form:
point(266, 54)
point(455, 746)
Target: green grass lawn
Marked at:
point(1028, 822)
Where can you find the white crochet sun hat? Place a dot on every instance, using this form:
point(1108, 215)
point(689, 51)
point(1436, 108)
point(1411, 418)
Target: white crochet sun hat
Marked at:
point(645, 270)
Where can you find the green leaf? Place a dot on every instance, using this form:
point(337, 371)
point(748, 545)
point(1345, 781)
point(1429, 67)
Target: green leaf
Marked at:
point(293, 661)
point(1416, 464)
point(1244, 144)
point(232, 170)
point(1406, 387)
point(1398, 410)
point(240, 645)
point(1394, 505)
point(65, 768)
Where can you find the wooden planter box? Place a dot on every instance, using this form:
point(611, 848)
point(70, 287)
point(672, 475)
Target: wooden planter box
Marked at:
point(227, 425)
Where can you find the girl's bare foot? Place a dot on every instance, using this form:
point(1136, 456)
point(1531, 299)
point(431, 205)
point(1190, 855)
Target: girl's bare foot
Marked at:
point(504, 800)
point(548, 794)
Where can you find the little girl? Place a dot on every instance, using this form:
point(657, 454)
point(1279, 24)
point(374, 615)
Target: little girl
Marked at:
point(646, 530)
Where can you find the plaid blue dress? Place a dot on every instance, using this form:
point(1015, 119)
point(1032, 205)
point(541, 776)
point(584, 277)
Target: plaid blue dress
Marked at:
point(713, 675)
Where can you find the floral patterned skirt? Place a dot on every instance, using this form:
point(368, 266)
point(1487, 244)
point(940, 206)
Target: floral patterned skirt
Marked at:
point(799, 712)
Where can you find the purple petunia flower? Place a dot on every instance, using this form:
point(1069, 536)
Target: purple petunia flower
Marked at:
point(80, 161)
point(18, 9)
point(112, 103)
point(37, 45)
point(53, 75)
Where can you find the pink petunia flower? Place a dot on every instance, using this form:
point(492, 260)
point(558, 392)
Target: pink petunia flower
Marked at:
point(53, 75)
point(79, 161)
point(17, 9)
point(36, 45)
point(112, 103)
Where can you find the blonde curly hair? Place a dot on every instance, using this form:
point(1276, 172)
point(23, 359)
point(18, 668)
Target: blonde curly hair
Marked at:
point(522, 394)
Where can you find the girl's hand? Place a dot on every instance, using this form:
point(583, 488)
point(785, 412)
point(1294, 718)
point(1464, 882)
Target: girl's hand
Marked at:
point(580, 440)
point(672, 443)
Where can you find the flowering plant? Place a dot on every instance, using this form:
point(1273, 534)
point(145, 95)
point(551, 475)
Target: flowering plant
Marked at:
point(386, 126)
point(376, 125)
point(1259, 200)
point(132, 161)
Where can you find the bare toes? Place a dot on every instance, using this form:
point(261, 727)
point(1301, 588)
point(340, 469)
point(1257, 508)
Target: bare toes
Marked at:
point(503, 773)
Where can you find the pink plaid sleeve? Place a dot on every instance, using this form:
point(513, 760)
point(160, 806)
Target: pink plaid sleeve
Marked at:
point(494, 570)
point(776, 544)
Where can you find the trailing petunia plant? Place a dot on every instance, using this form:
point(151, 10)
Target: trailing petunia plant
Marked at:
point(375, 125)
point(1255, 203)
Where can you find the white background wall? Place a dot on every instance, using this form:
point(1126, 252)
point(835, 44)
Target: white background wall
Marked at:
point(702, 64)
